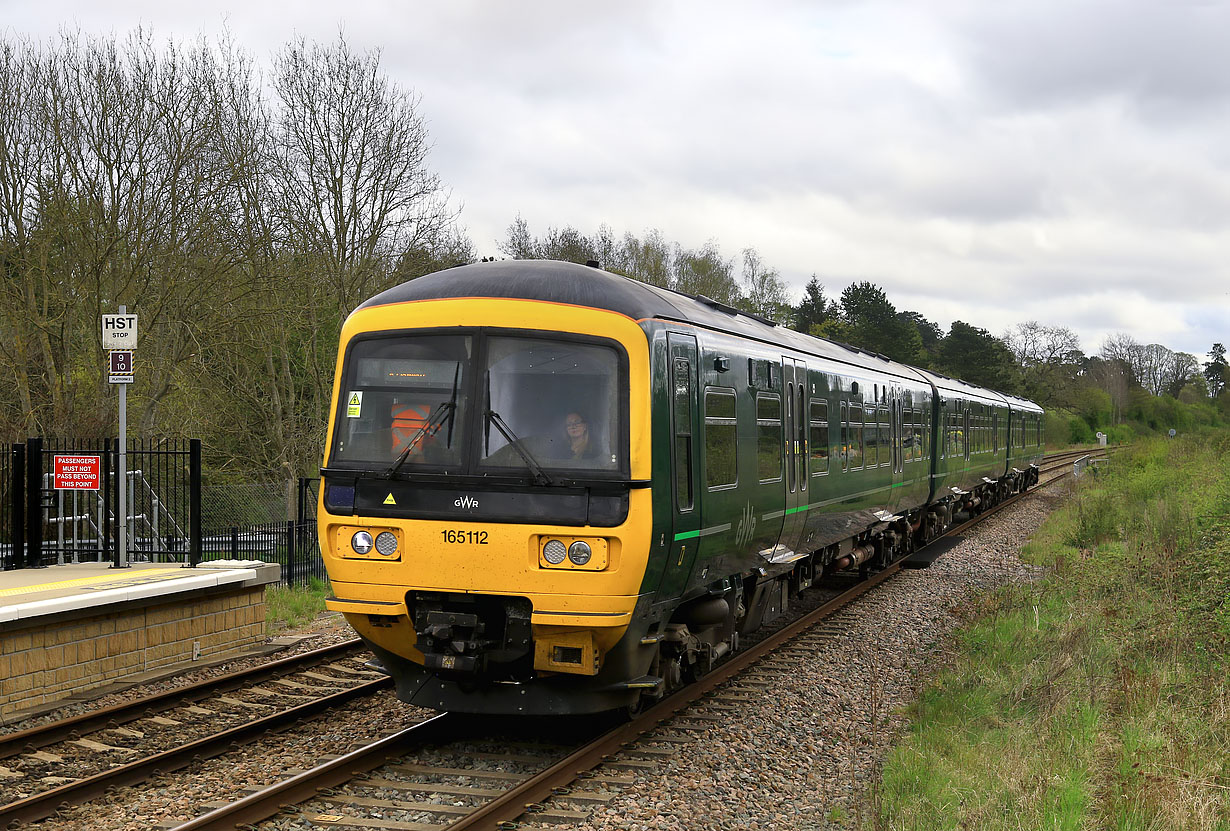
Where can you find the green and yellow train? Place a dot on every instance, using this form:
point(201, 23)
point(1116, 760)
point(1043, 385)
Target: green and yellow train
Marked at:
point(553, 489)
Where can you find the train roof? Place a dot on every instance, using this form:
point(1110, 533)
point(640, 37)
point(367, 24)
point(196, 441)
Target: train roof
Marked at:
point(1018, 403)
point(955, 386)
point(559, 282)
point(553, 281)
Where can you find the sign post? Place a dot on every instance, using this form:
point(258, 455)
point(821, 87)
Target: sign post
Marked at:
point(119, 338)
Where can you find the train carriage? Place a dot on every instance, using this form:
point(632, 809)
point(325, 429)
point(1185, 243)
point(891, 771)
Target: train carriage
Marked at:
point(551, 489)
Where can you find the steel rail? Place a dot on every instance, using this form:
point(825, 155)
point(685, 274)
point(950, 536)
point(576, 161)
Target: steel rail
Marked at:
point(507, 807)
point(504, 810)
point(46, 803)
point(43, 735)
point(267, 802)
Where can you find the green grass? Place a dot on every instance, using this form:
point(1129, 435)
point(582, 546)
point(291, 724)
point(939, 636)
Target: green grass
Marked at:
point(1097, 698)
point(295, 606)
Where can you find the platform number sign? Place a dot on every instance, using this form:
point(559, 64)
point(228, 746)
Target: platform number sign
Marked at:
point(121, 361)
point(120, 366)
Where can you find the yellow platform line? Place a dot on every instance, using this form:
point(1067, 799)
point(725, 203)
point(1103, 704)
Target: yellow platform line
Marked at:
point(134, 577)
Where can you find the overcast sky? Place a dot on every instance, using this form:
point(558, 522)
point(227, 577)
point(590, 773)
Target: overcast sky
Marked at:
point(1064, 162)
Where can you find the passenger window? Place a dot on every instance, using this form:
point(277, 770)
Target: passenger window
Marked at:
point(885, 439)
point(721, 461)
point(854, 450)
point(818, 443)
point(768, 437)
point(871, 437)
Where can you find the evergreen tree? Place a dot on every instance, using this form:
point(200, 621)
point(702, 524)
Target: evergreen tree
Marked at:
point(870, 322)
point(1216, 370)
point(813, 310)
point(976, 356)
point(929, 333)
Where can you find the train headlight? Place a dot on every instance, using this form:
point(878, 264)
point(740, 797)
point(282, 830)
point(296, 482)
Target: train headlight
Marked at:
point(554, 552)
point(361, 542)
point(386, 544)
point(579, 552)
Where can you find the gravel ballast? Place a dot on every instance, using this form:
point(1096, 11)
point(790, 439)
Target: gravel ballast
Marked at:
point(801, 755)
point(804, 755)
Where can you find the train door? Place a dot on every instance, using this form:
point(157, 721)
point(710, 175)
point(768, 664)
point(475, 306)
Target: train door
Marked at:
point(685, 460)
point(895, 433)
point(794, 424)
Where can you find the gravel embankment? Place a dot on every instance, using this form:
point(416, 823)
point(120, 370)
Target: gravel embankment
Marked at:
point(804, 756)
point(799, 758)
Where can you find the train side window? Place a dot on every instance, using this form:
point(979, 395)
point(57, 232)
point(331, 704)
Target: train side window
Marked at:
point(721, 460)
point(854, 450)
point(800, 431)
point(843, 421)
point(818, 441)
point(886, 437)
point(768, 437)
point(871, 437)
point(683, 433)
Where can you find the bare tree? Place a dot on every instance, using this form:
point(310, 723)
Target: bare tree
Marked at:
point(705, 272)
point(355, 189)
point(1033, 343)
point(649, 260)
point(764, 292)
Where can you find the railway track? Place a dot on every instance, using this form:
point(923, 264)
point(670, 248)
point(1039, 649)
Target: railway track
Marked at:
point(436, 775)
point(454, 771)
point(74, 760)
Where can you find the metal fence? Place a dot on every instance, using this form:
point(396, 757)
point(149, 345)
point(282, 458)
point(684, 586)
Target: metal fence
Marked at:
point(50, 520)
point(43, 523)
point(294, 544)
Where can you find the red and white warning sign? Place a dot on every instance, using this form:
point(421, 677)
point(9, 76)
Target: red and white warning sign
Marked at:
point(77, 473)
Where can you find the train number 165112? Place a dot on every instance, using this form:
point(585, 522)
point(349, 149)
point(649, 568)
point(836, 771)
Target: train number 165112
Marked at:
point(462, 537)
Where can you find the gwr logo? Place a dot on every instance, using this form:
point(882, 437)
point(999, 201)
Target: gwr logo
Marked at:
point(467, 502)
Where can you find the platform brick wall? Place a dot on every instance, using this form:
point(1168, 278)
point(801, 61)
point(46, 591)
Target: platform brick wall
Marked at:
point(53, 660)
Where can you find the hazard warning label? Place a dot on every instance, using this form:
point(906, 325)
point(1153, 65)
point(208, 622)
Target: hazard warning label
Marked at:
point(354, 405)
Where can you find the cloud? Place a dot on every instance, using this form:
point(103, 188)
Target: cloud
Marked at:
point(992, 163)
point(1169, 59)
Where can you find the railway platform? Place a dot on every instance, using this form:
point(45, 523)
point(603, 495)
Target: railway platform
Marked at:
point(68, 629)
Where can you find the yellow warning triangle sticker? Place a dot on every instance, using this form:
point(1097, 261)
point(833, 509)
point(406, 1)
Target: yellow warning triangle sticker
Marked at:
point(354, 398)
point(389, 500)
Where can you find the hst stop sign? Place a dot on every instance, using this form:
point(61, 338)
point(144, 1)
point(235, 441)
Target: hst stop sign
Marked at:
point(119, 331)
point(77, 473)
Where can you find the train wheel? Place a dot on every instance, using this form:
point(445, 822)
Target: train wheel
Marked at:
point(631, 711)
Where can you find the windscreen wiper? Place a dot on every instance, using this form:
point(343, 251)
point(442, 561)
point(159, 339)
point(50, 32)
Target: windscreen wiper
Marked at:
point(430, 427)
point(540, 475)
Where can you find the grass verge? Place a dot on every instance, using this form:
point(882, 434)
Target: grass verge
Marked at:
point(1098, 697)
point(289, 607)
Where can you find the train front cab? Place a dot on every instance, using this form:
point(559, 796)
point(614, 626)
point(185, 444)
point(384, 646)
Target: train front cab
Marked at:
point(487, 571)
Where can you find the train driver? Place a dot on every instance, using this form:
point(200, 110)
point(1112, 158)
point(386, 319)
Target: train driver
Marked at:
point(580, 445)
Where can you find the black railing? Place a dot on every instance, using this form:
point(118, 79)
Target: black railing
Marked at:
point(292, 545)
point(53, 516)
point(43, 523)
